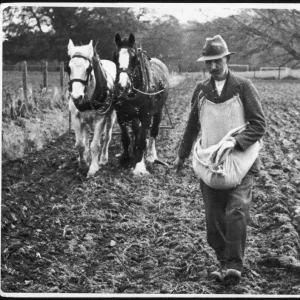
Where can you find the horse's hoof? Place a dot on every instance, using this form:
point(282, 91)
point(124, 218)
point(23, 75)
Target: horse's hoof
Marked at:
point(103, 162)
point(151, 159)
point(92, 171)
point(140, 169)
point(138, 173)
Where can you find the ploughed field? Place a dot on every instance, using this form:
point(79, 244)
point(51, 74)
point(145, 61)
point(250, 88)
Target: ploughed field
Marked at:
point(63, 233)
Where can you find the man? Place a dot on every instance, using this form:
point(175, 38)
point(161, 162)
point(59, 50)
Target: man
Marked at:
point(216, 105)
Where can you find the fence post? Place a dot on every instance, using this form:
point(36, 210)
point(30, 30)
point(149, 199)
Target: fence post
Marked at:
point(45, 75)
point(62, 73)
point(25, 82)
point(70, 121)
point(278, 72)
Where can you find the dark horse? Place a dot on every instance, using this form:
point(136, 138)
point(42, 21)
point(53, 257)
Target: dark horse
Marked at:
point(141, 89)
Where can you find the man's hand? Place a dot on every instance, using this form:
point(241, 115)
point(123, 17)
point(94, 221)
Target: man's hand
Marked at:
point(224, 150)
point(178, 163)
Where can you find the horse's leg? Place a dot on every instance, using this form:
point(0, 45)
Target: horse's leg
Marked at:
point(140, 147)
point(136, 128)
point(125, 157)
point(110, 120)
point(76, 118)
point(86, 140)
point(99, 126)
point(151, 150)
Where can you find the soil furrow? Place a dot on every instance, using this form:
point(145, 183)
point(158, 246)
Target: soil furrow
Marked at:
point(114, 233)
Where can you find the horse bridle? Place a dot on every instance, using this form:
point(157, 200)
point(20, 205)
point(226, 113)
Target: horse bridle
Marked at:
point(128, 71)
point(88, 71)
point(94, 104)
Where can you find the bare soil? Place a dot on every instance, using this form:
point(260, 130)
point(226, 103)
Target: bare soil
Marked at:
point(63, 233)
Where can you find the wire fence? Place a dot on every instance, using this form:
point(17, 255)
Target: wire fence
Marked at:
point(28, 88)
point(39, 67)
point(263, 72)
point(24, 76)
point(43, 69)
point(23, 72)
point(47, 75)
point(243, 70)
point(41, 73)
point(271, 74)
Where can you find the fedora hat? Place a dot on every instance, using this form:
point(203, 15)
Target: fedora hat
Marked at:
point(214, 48)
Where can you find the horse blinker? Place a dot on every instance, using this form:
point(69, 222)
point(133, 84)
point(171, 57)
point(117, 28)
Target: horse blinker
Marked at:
point(115, 57)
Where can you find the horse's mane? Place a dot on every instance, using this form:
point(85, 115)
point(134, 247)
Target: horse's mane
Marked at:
point(146, 70)
point(100, 92)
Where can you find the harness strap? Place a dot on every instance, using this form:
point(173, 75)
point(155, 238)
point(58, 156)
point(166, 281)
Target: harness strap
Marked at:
point(89, 70)
point(84, 82)
point(123, 70)
point(101, 89)
point(81, 56)
point(144, 74)
point(149, 94)
point(98, 100)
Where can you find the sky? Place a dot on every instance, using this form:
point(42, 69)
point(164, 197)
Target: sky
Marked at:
point(203, 12)
point(184, 12)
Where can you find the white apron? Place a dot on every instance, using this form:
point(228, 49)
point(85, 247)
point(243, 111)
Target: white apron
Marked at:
point(218, 121)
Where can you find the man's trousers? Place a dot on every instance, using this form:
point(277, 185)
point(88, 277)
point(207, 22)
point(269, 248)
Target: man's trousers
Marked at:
point(227, 216)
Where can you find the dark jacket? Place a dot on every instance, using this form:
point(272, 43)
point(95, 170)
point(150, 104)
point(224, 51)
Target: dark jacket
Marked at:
point(253, 112)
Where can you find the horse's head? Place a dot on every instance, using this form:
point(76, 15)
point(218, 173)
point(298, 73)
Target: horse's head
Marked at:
point(125, 59)
point(79, 69)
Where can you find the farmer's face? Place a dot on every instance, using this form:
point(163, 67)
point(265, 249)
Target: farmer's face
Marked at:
point(217, 68)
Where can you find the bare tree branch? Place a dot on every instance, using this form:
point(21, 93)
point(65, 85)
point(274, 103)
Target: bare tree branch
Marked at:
point(264, 25)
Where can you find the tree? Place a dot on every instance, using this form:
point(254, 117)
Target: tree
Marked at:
point(273, 33)
point(261, 36)
point(43, 32)
point(163, 38)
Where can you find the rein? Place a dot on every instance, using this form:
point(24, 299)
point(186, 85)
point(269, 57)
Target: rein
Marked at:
point(149, 94)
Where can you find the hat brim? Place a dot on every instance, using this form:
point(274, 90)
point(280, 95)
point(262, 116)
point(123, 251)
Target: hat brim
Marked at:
point(204, 58)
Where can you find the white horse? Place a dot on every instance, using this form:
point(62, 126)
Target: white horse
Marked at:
point(90, 94)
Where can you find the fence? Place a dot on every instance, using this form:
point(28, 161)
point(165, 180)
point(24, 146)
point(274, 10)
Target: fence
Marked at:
point(24, 69)
point(44, 68)
point(276, 73)
point(279, 73)
point(272, 74)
